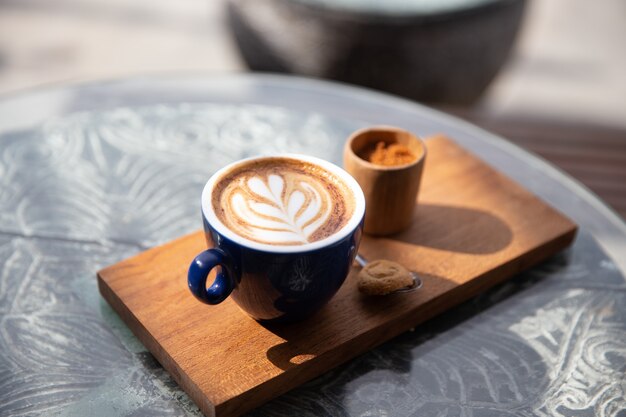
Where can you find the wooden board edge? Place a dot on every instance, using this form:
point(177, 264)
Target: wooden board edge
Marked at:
point(309, 370)
point(127, 316)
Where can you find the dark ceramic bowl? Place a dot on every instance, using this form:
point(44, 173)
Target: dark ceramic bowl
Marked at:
point(434, 51)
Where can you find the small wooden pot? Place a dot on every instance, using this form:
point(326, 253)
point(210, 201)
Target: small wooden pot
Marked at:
point(390, 191)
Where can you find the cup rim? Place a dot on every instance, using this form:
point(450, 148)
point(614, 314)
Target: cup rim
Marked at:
point(346, 230)
point(376, 167)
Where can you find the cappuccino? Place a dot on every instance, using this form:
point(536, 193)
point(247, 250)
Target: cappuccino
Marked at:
point(282, 201)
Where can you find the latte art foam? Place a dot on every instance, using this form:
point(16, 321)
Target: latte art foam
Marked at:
point(282, 201)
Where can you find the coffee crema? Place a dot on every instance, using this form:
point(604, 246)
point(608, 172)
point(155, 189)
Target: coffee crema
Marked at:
point(282, 201)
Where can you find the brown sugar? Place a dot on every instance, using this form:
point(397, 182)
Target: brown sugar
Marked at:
point(390, 154)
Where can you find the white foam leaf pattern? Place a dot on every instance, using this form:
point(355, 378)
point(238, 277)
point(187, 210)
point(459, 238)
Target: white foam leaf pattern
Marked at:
point(309, 212)
point(272, 210)
point(276, 185)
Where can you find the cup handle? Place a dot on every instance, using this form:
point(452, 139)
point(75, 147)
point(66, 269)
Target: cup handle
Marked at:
point(199, 271)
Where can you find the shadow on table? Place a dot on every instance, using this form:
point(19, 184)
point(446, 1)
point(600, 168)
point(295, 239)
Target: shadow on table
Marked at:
point(334, 325)
point(469, 351)
point(456, 229)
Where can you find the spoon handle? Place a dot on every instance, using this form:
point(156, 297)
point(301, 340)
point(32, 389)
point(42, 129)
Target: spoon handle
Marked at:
point(360, 260)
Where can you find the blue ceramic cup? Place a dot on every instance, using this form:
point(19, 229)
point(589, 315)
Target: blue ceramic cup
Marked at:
point(272, 282)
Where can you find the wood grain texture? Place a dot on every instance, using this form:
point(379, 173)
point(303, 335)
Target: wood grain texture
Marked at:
point(473, 229)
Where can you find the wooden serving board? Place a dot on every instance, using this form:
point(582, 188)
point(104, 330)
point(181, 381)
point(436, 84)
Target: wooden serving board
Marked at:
point(473, 228)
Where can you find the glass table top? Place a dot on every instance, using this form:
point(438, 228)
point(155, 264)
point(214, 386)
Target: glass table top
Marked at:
point(92, 174)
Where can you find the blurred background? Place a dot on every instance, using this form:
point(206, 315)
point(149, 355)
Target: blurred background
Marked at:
point(548, 75)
